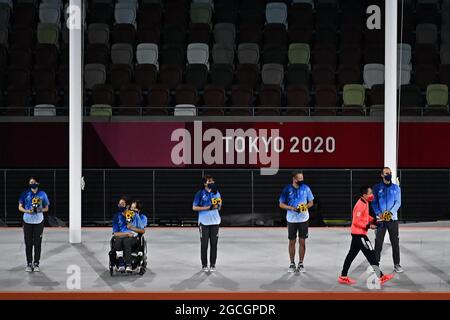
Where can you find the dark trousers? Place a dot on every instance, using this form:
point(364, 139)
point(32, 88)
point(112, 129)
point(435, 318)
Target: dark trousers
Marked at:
point(33, 239)
point(360, 243)
point(392, 228)
point(209, 235)
point(126, 245)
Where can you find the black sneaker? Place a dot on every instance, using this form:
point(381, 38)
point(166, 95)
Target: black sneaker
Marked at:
point(301, 268)
point(292, 268)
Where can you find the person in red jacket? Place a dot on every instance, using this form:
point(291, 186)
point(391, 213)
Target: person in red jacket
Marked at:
point(361, 223)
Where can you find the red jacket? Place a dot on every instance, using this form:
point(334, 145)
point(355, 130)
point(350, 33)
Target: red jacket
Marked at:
point(361, 217)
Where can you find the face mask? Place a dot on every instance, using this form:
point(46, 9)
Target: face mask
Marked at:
point(210, 185)
point(388, 177)
point(370, 198)
point(299, 183)
point(34, 186)
point(121, 209)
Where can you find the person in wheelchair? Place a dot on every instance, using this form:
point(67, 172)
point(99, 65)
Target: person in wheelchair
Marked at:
point(128, 227)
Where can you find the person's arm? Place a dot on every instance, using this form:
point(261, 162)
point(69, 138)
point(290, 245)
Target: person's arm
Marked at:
point(283, 201)
point(196, 205)
point(115, 227)
point(398, 200)
point(141, 223)
point(122, 234)
point(310, 198)
point(358, 214)
point(375, 205)
point(23, 210)
point(45, 203)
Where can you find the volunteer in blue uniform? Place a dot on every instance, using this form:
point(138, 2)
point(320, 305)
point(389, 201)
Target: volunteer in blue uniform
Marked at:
point(386, 203)
point(33, 203)
point(208, 202)
point(297, 198)
point(126, 232)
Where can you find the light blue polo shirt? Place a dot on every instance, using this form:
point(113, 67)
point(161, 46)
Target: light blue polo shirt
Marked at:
point(26, 200)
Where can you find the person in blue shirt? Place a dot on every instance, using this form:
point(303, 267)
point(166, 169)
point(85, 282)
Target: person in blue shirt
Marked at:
point(33, 203)
point(386, 203)
point(296, 199)
point(126, 231)
point(208, 202)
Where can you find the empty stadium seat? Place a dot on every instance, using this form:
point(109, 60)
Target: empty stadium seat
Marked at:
point(299, 53)
point(353, 97)
point(125, 13)
point(248, 53)
point(94, 74)
point(272, 74)
point(201, 13)
point(122, 53)
point(147, 53)
point(373, 74)
point(376, 98)
point(98, 33)
point(437, 100)
point(297, 101)
point(269, 101)
point(241, 101)
point(276, 12)
point(101, 110)
point(222, 53)
point(131, 101)
point(225, 34)
point(326, 101)
point(197, 75)
point(158, 100)
point(171, 76)
point(198, 53)
point(410, 100)
point(185, 110)
point(44, 110)
point(425, 74)
point(298, 74)
point(222, 75)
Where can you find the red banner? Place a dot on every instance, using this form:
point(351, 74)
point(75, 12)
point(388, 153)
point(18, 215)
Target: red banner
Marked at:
point(227, 144)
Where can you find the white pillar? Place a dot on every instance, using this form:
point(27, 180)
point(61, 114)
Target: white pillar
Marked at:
point(75, 25)
point(390, 109)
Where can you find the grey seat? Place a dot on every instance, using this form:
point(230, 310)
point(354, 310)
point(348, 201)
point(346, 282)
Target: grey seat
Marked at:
point(310, 2)
point(198, 53)
point(50, 13)
point(276, 12)
point(94, 73)
point(404, 53)
point(222, 53)
point(98, 33)
point(373, 74)
point(426, 33)
point(225, 33)
point(272, 74)
point(147, 53)
point(185, 110)
point(248, 53)
point(125, 13)
point(44, 110)
point(122, 53)
point(403, 75)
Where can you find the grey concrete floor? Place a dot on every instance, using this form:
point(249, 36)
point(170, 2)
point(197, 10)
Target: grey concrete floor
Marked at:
point(249, 259)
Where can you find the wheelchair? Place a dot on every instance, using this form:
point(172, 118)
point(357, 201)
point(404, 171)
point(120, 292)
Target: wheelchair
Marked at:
point(138, 258)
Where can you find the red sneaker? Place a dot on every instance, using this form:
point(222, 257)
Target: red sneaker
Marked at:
point(346, 280)
point(386, 278)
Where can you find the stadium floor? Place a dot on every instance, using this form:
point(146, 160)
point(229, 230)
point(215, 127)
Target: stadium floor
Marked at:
point(249, 260)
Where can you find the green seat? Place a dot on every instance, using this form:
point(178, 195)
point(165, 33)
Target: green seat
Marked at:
point(353, 96)
point(101, 110)
point(48, 33)
point(201, 13)
point(299, 53)
point(437, 99)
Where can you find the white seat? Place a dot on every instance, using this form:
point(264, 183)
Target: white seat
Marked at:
point(147, 53)
point(185, 110)
point(125, 13)
point(373, 74)
point(198, 53)
point(276, 12)
point(44, 110)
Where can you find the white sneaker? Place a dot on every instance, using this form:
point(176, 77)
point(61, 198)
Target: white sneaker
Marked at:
point(36, 267)
point(301, 268)
point(205, 269)
point(29, 268)
point(212, 268)
point(291, 268)
point(129, 269)
point(398, 268)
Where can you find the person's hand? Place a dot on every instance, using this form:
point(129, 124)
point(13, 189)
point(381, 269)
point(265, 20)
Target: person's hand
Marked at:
point(30, 211)
point(373, 226)
point(130, 226)
point(130, 235)
point(212, 207)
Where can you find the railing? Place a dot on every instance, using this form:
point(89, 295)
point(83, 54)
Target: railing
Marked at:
point(167, 193)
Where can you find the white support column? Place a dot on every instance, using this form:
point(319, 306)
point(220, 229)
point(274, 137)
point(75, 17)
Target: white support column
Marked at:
point(75, 25)
point(390, 109)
